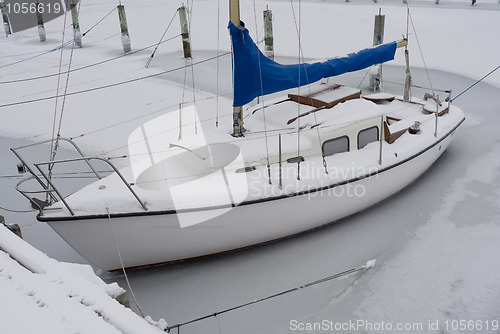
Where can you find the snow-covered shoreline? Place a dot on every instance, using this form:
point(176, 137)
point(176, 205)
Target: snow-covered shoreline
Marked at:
point(58, 297)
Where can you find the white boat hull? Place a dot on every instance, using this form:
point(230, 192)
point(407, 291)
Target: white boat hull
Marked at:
point(153, 238)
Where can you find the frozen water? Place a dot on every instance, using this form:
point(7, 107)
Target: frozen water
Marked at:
point(435, 242)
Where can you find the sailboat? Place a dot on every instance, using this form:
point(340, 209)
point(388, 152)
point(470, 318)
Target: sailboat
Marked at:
point(298, 162)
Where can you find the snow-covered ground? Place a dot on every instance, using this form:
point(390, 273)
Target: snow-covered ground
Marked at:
point(59, 297)
point(436, 243)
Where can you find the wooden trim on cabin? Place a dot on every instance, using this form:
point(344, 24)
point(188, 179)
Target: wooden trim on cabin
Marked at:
point(392, 137)
point(392, 120)
point(379, 100)
point(309, 99)
point(441, 113)
point(346, 98)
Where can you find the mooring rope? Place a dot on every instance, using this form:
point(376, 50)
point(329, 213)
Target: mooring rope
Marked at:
point(114, 84)
point(16, 211)
point(366, 266)
point(475, 83)
point(38, 54)
point(85, 33)
point(89, 65)
point(160, 42)
point(122, 265)
point(57, 48)
point(421, 52)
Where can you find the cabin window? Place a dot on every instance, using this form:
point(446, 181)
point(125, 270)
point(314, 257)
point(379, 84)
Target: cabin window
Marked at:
point(336, 145)
point(367, 136)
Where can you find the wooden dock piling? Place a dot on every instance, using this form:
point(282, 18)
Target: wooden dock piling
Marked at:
point(124, 29)
point(5, 16)
point(186, 43)
point(378, 38)
point(76, 26)
point(14, 228)
point(39, 19)
point(268, 34)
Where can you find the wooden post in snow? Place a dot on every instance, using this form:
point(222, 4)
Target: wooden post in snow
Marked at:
point(378, 31)
point(124, 28)
point(268, 34)
point(234, 16)
point(39, 19)
point(186, 44)
point(378, 38)
point(76, 26)
point(5, 16)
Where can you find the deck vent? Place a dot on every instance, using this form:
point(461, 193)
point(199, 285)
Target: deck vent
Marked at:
point(245, 169)
point(295, 159)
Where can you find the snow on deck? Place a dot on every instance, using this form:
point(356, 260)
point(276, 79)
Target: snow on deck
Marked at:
point(42, 295)
point(179, 176)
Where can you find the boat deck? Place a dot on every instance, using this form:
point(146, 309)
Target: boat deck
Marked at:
point(213, 169)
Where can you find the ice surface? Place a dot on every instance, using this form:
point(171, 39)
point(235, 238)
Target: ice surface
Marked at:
point(435, 243)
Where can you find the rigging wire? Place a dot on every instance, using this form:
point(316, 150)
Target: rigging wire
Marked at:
point(190, 12)
point(217, 67)
point(112, 85)
point(298, 28)
point(421, 53)
point(301, 51)
point(85, 33)
point(298, 105)
point(290, 131)
point(56, 145)
point(408, 80)
point(363, 268)
point(262, 97)
point(87, 66)
point(38, 55)
point(59, 47)
point(475, 83)
point(52, 150)
point(364, 77)
point(132, 119)
point(23, 54)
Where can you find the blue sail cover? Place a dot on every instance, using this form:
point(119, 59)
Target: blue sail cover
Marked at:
point(274, 77)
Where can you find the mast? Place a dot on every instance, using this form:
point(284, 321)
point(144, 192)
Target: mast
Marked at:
point(408, 81)
point(234, 17)
point(234, 12)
